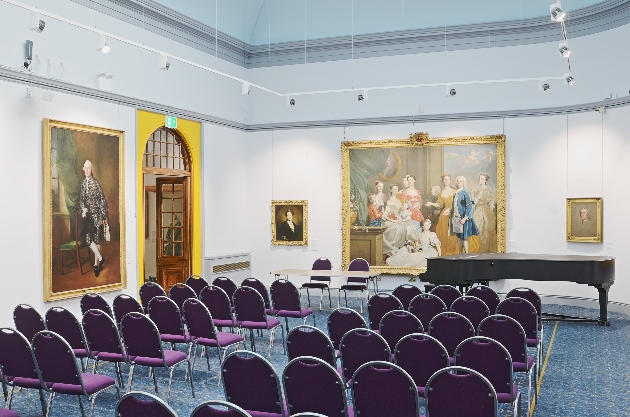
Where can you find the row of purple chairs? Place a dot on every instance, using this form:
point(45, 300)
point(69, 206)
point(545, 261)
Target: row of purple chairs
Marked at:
point(138, 403)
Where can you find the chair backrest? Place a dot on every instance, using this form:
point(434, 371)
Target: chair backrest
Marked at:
point(181, 292)
point(310, 341)
point(425, 307)
point(321, 264)
point(138, 403)
point(217, 408)
point(360, 346)
point(380, 304)
point(63, 322)
point(124, 304)
point(358, 264)
point(141, 336)
point(421, 356)
point(55, 359)
point(249, 305)
point(93, 301)
point(487, 295)
point(472, 308)
point(446, 391)
point(16, 356)
point(405, 293)
point(397, 324)
point(198, 319)
point(451, 329)
point(258, 286)
point(217, 301)
point(491, 359)
point(508, 332)
point(384, 389)
point(342, 320)
point(251, 382)
point(312, 385)
point(101, 332)
point(529, 295)
point(148, 291)
point(28, 321)
point(447, 293)
point(166, 315)
point(197, 283)
point(522, 311)
point(226, 285)
point(285, 296)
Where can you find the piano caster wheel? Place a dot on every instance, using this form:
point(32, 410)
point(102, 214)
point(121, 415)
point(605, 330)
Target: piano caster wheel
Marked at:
point(603, 323)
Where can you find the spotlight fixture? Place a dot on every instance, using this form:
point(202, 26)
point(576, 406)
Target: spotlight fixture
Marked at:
point(37, 24)
point(564, 50)
point(290, 101)
point(450, 92)
point(543, 86)
point(556, 12)
point(29, 54)
point(101, 44)
point(568, 78)
point(363, 96)
point(164, 64)
point(39, 93)
point(245, 89)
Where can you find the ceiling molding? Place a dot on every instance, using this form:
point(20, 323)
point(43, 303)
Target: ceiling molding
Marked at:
point(163, 21)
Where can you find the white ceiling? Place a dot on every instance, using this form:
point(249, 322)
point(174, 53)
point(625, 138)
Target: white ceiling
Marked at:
point(258, 22)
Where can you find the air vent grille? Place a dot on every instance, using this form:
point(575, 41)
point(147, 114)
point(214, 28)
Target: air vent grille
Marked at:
point(237, 266)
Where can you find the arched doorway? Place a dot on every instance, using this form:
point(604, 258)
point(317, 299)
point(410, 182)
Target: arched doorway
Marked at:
point(166, 168)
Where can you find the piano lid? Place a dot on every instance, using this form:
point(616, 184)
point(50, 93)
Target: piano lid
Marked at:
point(524, 257)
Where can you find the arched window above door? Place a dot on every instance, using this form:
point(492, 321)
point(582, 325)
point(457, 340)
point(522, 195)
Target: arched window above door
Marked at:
point(166, 153)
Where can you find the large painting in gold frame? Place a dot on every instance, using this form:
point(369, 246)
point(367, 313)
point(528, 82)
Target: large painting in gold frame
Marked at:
point(396, 236)
point(84, 210)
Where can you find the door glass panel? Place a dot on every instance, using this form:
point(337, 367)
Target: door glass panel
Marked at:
point(167, 205)
point(167, 234)
point(177, 205)
point(178, 236)
point(168, 249)
point(178, 249)
point(167, 219)
point(178, 194)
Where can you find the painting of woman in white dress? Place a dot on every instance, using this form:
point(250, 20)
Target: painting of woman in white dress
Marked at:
point(415, 253)
point(484, 216)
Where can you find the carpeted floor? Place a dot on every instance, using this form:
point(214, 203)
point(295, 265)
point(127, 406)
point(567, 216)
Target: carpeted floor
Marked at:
point(586, 373)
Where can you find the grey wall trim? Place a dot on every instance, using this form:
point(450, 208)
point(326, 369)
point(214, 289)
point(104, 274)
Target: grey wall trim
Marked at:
point(12, 75)
point(161, 20)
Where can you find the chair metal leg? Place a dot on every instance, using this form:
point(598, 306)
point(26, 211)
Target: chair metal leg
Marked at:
point(205, 349)
point(155, 382)
point(284, 340)
point(50, 401)
point(130, 380)
point(272, 333)
point(4, 391)
point(252, 341)
point(92, 406)
point(42, 399)
point(192, 385)
point(321, 299)
point(329, 299)
point(170, 382)
point(308, 296)
point(314, 322)
point(81, 405)
point(345, 297)
point(119, 374)
point(10, 397)
point(286, 322)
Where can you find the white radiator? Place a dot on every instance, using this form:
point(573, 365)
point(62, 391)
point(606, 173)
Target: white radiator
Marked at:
point(236, 266)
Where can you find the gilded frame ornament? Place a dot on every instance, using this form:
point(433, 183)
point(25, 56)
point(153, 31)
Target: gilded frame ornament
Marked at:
point(419, 139)
point(48, 212)
point(276, 225)
point(576, 232)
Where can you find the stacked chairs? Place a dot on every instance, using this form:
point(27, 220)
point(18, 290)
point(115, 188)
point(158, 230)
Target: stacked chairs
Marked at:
point(251, 383)
point(311, 385)
point(148, 291)
point(219, 305)
point(28, 321)
point(425, 307)
point(168, 318)
point(451, 329)
point(286, 302)
point(360, 346)
point(93, 301)
point(310, 341)
point(216, 408)
point(405, 293)
point(262, 290)
point(421, 356)
point(397, 324)
point(137, 403)
point(355, 283)
point(227, 285)
point(447, 293)
point(197, 283)
point(124, 304)
point(380, 304)
point(341, 321)
point(525, 313)
point(319, 282)
point(63, 322)
point(487, 295)
point(472, 308)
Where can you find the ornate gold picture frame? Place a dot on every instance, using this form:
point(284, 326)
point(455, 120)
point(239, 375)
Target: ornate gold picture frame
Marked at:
point(584, 220)
point(289, 222)
point(398, 210)
point(84, 210)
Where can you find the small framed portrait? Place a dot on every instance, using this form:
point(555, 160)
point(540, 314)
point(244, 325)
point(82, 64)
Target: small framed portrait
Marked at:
point(289, 222)
point(584, 220)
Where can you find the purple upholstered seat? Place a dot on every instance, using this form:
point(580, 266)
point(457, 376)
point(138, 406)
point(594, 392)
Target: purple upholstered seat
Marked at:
point(356, 283)
point(226, 285)
point(425, 307)
point(286, 302)
point(421, 356)
point(487, 295)
point(262, 290)
point(341, 321)
point(405, 293)
point(451, 329)
point(319, 282)
point(135, 404)
point(168, 319)
point(197, 283)
point(28, 321)
point(124, 304)
point(63, 322)
point(216, 408)
point(397, 324)
point(360, 346)
point(447, 293)
point(472, 308)
point(310, 341)
point(8, 413)
point(380, 304)
point(93, 301)
point(219, 305)
point(148, 291)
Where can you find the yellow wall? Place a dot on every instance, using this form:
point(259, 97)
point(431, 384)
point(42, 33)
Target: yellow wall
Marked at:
point(191, 132)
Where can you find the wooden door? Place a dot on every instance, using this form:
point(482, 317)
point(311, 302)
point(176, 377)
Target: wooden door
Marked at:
point(173, 230)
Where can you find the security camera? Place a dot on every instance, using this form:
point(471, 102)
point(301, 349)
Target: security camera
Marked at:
point(37, 25)
point(544, 86)
point(29, 54)
point(568, 78)
point(164, 64)
point(290, 101)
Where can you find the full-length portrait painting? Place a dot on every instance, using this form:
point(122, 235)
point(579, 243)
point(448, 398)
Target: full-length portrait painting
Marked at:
point(84, 247)
point(405, 201)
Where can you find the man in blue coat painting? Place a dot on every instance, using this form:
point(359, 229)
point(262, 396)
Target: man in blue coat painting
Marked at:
point(461, 223)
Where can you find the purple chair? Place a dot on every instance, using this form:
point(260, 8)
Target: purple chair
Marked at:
point(28, 321)
point(219, 305)
point(397, 324)
point(251, 382)
point(447, 293)
point(421, 356)
point(209, 409)
point(57, 364)
point(142, 343)
point(525, 313)
point(181, 292)
point(124, 304)
point(487, 295)
point(63, 322)
point(472, 308)
point(136, 403)
point(533, 297)
point(102, 337)
point(355, 283)
point(384, 389)
point(380, 304)
point(226, 285)
point(360, 346)
point(93, 301)
point(286, 302)
point(446, 391)
point(168, 319)
point(197, 283)
point(311, 385)
point(405, 293)
point(451, 329)
point(425, 307)
point(341, 321)
point(262, 290)
point(320, 282)
point(8, 413)
point(492, 360)
point(310, 341)
point(17, 365)
point(251, 314)
point(148, 291)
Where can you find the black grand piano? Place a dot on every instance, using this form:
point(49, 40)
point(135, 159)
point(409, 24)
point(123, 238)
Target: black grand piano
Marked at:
point(467, 269)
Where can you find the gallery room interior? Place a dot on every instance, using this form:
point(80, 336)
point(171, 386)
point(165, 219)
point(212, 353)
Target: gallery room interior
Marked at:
point(454, 171)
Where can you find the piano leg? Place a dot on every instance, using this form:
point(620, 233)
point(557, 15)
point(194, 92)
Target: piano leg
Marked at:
point(603, 306)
